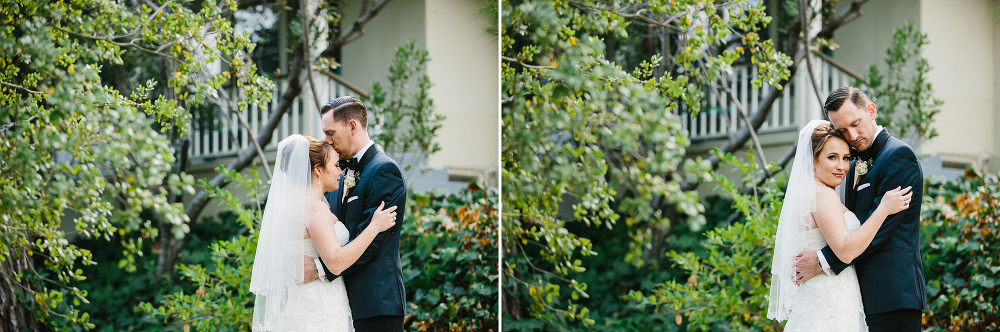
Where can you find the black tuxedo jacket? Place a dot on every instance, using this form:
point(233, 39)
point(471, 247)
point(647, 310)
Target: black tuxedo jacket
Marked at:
point(890, 271)
point(375, 282)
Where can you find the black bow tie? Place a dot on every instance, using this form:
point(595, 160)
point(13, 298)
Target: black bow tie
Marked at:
point(348, 164)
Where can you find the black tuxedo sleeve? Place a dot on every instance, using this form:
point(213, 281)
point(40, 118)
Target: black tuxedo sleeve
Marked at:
point(386, 185)
point(901, 169)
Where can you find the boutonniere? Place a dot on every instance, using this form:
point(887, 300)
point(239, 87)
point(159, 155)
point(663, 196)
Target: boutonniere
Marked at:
point(862, 166)
point(350, 181)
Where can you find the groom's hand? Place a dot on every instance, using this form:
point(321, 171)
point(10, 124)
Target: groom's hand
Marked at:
point(806, 267)
point(309, 267)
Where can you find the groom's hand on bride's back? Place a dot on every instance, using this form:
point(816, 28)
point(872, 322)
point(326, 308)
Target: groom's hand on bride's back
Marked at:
point(309, 270)
point(806, 267)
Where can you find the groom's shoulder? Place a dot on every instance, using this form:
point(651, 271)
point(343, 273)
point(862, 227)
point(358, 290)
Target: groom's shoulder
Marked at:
point(383, 162)
point(896, 148)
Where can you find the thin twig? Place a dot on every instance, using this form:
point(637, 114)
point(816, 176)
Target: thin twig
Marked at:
point(22, 88)
point(256, 144)
point(746, 119)
point(306, 31)
point(509, 59)
point(112, 41)
point(850, 72)
point(356, 31)
point(14, 124)
point(344, 82)
point(807, 40)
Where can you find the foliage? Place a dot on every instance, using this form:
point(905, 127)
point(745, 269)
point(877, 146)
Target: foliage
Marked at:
point(450, 256)
point(729, 285)
point(490, 10)
point(903, 92)
point(449, 265)
point(405, 114)
point(959, 243)
point(576, 125)
point(113, 292)
point(77, 149)
point(222, 300)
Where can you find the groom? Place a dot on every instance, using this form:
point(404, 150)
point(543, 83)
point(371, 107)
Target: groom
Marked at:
point(890, 271)
point(375, 282)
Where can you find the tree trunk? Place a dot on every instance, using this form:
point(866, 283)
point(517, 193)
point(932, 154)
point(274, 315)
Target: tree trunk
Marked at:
point(16, 313)
point(170, 246)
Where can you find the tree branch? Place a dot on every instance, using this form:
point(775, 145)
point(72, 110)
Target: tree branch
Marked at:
point(343, 82)
point(356, 31)
point(849, 14)
point(3, 131)
point(131, 43)
point(264, 135)
point(509, 59)
point(746, 119)
point(22, 88)
point(789, 155)
point(807, 47)
point(737, 140)
point(306, 22)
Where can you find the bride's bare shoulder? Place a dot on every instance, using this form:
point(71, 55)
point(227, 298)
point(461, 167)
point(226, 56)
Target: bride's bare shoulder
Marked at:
point(827, 197)
point(317, 208)
point(320, 211)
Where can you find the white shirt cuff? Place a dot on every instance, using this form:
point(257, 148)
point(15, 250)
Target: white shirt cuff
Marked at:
point(319, 270)
point(822, 262)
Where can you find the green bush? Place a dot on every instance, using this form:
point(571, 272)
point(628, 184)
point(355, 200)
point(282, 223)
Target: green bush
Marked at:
point(449, 249)
point(727, 287)
point(113, 289)
point(960, 242)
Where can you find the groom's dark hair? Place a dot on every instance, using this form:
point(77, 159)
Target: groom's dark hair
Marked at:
point(345, 109)
point(838, 96)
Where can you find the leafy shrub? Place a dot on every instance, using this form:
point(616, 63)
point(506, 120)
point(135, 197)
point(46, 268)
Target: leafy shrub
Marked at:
point(727, 287)
point(449, 248)
point(960, 242)
point(112, 289)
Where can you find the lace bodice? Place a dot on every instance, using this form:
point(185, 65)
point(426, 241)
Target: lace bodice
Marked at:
point(319, 306)
point(829, 303)
point(814, 237)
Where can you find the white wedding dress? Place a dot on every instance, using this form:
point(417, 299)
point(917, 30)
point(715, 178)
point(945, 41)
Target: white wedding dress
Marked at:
point(829, 302)
point(318, 306)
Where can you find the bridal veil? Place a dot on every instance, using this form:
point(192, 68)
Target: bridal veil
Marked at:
point(799, 203)
point(278, 263)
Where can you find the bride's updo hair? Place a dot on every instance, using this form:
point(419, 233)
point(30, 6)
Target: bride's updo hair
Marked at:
point(823, 134)
point(318, 152)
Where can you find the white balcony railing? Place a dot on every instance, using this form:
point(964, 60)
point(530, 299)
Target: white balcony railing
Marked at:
point(788, 113)
point(232, 136)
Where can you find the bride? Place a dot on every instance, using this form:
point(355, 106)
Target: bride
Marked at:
point(297, 220)
point(812, 216)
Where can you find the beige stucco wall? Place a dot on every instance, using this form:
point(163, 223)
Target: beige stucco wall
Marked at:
point(367, 59)
point(863, 41)
point(995, 158)
point(463, 69)
point(962, 54)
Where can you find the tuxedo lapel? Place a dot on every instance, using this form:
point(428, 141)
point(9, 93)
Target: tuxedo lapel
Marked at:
point(851, 184)
point(357, 191)
point(367, 158)
point(340, 199)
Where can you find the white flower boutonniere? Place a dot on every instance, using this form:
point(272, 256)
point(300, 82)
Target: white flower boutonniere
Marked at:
point(862, 166)
point(350, 181)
